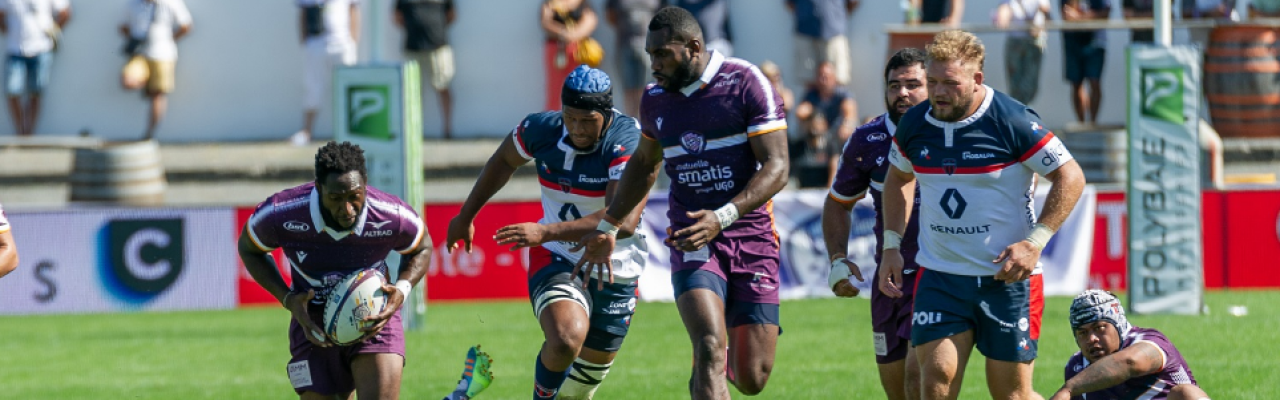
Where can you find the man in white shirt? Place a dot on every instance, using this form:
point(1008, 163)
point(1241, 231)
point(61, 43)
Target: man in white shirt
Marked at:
point(1024, 49)
point(32, 27)
point(157, 24)
point(329, 30)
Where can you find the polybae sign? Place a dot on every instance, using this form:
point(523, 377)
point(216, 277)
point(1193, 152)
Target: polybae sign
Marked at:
point(121, 260)
point(1164, 180)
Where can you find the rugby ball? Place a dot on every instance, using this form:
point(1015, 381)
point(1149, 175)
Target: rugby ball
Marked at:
point(355, 297)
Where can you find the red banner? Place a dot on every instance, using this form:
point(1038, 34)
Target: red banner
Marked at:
point(1252, 230)
point(248, 290)
point(490, 271)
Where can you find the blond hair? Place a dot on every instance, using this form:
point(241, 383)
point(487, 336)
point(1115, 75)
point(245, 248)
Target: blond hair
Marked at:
point(956, 45)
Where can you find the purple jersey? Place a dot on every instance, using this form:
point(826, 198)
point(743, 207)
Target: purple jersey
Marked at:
point(863, 166)
point(1156, 386)
point(703, 130)
point(322, 255)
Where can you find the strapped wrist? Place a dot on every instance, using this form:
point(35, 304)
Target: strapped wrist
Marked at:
point(892, 240)
point(607, 227)
point(727, 214)
point(1040, 235)
point(404, 287)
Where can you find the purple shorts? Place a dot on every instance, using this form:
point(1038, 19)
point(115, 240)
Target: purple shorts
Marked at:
point(891, 320)
point(748, 264)
point(327, 370)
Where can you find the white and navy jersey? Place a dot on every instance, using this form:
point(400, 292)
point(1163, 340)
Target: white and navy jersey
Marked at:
point(976, 180)
point(574, 181)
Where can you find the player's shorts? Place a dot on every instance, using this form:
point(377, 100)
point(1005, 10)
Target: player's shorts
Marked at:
point(28, 75)
point(436, 65)
point(891, 320)
point(1004, 318)
point(327, 370)
point(610, 309)
point(742, 271)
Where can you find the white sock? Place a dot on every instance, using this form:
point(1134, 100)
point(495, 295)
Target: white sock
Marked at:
point(584, 378)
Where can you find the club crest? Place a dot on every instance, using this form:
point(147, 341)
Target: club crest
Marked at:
point(693, 142)
point(566, 185)
point(949, 166)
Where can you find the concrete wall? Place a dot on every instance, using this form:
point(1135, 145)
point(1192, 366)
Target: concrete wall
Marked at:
point(238, 77)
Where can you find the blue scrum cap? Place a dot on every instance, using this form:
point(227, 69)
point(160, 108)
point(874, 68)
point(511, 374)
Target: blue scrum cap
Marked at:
point(589, 89)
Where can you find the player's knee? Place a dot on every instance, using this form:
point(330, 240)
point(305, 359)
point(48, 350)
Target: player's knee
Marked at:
point(709, 349)
point(751, 381)
point(566, 342)
point(1187, 391)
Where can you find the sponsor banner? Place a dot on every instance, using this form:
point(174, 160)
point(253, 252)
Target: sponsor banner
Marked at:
point(804, 266)
point(108, 260)
point(1252, 243)
point(248, 291)
point(1164, 180)
point(489, 271)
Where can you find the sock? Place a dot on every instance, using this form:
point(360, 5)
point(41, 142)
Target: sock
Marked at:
point(546, 383)
point(584, 378)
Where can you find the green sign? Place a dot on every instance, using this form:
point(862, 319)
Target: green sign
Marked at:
point(368, 111)
point(1162, 94)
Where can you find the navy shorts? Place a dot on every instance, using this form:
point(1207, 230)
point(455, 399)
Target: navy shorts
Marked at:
point(1082, 61)
point(1004, 318)
point(736, 312)
point(611, 307)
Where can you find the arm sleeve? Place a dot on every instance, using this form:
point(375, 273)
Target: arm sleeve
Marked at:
point(522, 143)
point(4, 221)
point(181, 15)
point(765, 111)
point(1040, 150)
point(629, 138)
point(411, 230)
point(852, 177)
point(898, 158)
point(262, 226)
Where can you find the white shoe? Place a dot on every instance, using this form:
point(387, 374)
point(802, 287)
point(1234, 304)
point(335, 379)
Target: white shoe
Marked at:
point(300, 138)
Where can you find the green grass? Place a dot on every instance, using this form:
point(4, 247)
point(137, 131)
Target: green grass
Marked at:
point(824, 354)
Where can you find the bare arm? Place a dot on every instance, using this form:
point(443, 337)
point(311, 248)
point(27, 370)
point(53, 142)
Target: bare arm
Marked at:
point(848, 118)
point(496, 173)
point(397, 17)
point(4, 24)
point(182, 32)
point(611, 16)
point(804, 111)
point(549, 24)
point(836, 225)
point(1068, 184)
point(897, 198)
point(8, 253)
point(355, 23)
point(637, 179)
point(1141, 359)
point(413, 265)
point(261, 266)
point(585, 26)
point(770, 150)
point(63, 18)
point(302, 25)
point(957, 12)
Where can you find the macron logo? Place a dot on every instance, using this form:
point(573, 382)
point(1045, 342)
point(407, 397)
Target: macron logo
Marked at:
point(659, 122)
point(302, 256)
point(378, 225)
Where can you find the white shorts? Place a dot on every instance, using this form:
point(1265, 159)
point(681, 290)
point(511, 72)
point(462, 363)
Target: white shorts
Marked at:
point(436, 65)
point(810, 52)
point(317, 73)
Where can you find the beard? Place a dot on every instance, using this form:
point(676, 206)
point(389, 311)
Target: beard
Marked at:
point(894, 115)
point(959, 107)
point(681, 77)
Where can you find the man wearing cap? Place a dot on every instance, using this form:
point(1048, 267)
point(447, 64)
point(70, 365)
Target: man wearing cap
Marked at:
point(580, 153)
point(1121, 361)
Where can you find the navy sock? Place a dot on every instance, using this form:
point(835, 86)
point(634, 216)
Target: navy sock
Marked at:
point(546, 383)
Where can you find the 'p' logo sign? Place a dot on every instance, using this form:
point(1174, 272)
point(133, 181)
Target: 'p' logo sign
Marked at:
point(145, 257)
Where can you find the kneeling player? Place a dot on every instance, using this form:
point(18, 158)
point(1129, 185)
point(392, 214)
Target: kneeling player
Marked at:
point(1121, 361)
point(580, 153)
point(328, 229)
point(862, 170)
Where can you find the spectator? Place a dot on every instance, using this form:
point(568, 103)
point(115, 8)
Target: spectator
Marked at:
point(1024, 49)
point(426, 40)
point(33, 27)
point(1264, 8)
point(828, 115)
point(774, 74)
point(1140, 9)
point(1207, 9)
point(630, 21)
point(156, 25)
point(948, 12)
point(713, 15)
point(566, 22)
point(329, 31)
point(820, 32)
point(1083, 54)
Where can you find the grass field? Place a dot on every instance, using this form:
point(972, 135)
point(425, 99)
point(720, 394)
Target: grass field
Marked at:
point(824, 354)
